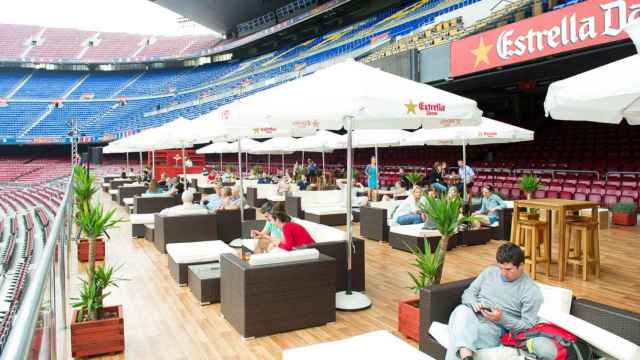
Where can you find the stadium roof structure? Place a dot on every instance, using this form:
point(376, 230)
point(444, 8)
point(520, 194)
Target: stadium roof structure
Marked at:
point(220, 15)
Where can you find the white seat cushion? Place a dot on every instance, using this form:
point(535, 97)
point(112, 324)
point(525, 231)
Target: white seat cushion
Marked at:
point(128, 201)
point(376, 345)
point(281, 257)
point(150, 226)
point(162, 194)
point(322, 233)
point(440, 333)
point(326, 210)
point(141, 219)
point(413, 230)
point(181, 210)
point(113, 191)
point(200, 251)
point(276, 198)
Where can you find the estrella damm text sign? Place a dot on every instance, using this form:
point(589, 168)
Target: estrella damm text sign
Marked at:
point(586, 24)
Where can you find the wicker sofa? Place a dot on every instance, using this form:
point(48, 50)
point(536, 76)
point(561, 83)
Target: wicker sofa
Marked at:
point(438, 301)
point(222, 225)
point(258, 194)
point(332, 242)
point(129, 191)
point(260, 300)
point(375, 219)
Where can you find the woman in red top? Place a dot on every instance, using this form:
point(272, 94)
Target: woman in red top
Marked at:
point(295, 235)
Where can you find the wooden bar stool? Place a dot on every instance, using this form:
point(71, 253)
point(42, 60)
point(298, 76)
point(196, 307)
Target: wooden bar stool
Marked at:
point(533, 238)
point(583, 246)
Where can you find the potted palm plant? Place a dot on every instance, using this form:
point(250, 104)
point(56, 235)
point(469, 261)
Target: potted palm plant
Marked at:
point(84, 188)
point(529, 184)
point(625, 214)
point(97, 329)
point(445, 213)
point(414, 178)
point(427, 264)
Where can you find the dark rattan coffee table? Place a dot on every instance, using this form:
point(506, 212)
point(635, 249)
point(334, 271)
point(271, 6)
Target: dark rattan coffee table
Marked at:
point(204, 282)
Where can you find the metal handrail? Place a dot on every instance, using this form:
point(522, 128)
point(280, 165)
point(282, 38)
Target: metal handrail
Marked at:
point(19, 340)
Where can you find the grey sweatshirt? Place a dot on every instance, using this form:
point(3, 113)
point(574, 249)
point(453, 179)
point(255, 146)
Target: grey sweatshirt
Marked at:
point(519, 300)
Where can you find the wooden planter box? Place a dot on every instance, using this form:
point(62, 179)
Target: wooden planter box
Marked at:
point(83, 250)
point(625, 219)
point(409, 319)
point(97, 337)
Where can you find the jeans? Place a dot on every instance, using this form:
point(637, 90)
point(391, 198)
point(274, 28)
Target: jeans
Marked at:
point(409, 219)
point(474, 332)
point(439, 187)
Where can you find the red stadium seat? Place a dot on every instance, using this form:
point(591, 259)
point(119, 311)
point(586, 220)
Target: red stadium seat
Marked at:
point(552, 194)
point(566, 195)
point(610, 200)
point(539, 194)
point(580, 196)
point(517, 193)
point(595, 198)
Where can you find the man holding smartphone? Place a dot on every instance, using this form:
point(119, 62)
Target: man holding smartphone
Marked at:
point(502, 298)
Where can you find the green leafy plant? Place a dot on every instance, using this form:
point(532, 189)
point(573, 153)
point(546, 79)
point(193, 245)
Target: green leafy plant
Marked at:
point(414, 178)
point(298, 172)
point(627, 208)
point(83, 185)
point(428, 265)
point(445, 214)
point(93, 221)
point(257, 170)
point(93, 292)
point(354, 175)
point(529, 184)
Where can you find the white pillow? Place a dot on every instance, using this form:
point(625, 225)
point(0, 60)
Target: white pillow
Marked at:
point(283, 257)
point(555, 299)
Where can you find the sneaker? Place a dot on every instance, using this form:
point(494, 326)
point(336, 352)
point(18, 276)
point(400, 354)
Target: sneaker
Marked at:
point(495, 224)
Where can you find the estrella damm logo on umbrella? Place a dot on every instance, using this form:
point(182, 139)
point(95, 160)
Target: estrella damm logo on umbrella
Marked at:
point(430, 109)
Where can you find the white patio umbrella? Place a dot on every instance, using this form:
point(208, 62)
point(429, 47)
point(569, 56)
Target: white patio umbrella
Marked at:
point(373, 138)
point(489, 131)
point(606, 94)
point(351, 95)
point(277, 146)
point(224, 147)
point(321, 142)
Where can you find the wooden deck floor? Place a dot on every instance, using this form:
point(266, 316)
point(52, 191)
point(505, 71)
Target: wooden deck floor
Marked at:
point(164, 321)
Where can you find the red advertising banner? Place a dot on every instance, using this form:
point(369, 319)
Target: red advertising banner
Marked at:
point(586, 24)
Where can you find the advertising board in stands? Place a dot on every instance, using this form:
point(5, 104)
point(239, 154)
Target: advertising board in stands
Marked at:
point(590, 23)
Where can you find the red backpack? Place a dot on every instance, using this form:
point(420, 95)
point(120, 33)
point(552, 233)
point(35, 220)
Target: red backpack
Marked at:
point(568, 346)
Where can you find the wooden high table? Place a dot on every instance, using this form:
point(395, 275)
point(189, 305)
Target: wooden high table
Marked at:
point(560, 207)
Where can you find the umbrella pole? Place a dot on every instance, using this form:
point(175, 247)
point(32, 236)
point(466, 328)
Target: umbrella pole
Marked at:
point(378, 167)
point(269, 164)
point(220, 162)
point(153, 164)
point(241, 184)
point(324, 179)
point(283, 171)
point(246, 161)
point(127, 168)
point(350, 300)
point(464, 179)
point(140, 153)
point(184, 170)
point(302, 158)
